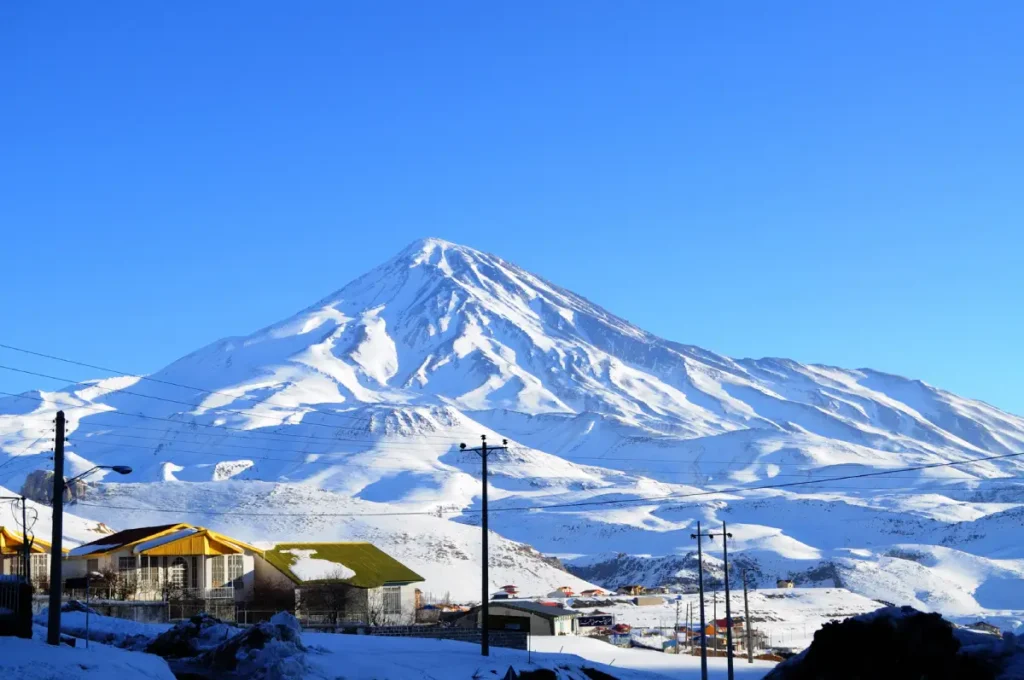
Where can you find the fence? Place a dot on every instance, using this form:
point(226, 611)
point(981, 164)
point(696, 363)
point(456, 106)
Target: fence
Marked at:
point(150, 611)
point(15, 607)
point(512, 639)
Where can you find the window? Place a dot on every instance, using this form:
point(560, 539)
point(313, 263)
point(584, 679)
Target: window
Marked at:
point(392, 600)
point(236, 566)
point(177, 575)
point(217, 572)
point(40, 567)
point(92, 566)
point(125, 566)
point(150, 569)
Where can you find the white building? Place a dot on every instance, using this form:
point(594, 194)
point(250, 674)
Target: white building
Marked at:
point(151, 563)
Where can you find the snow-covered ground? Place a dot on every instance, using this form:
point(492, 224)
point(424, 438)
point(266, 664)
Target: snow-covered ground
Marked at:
point(35, 660)
point(359, 657)
point(344, 420)
point(378, 658)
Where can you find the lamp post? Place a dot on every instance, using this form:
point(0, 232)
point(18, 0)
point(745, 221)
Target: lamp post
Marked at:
point(56, 553)
point(119, 469)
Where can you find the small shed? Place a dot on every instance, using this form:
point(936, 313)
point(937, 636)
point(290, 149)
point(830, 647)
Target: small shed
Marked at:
point(785, 583)
point(648, 601)
point(527, 616)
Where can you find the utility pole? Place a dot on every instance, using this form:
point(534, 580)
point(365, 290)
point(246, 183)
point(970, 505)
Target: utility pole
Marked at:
point(678, 599)
point(746, 620)
point(485, 590)
point(700, 589)
point(53, 630)
point(714, 615)
point(728, 610)
point(25, 547)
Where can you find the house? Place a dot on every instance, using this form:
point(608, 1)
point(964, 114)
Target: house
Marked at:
point(512, 591)
point(784, 583)
point(523, 615)
point(166, 561)
point(345, 582)
point(648, 601)
point(12, 558)
point(631, 590)
point(658, 590)
point(593, 592)
point(561, 592)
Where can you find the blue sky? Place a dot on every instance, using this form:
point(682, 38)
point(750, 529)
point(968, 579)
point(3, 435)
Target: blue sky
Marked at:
point(833, 182)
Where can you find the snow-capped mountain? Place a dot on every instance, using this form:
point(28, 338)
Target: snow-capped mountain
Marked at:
point(330, 422)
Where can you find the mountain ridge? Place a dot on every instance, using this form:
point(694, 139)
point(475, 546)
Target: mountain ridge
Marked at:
point(362, 397)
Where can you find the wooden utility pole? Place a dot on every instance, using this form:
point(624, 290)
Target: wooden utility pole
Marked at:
point(25, 546)
point(485, 589)
point(728, 610)
point(700, 590)
point(714, 615)
point(746, 620)
point(53, 628)
point(676, 630)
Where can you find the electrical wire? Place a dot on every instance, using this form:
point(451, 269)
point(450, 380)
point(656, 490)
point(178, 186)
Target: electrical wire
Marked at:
point(579, 504)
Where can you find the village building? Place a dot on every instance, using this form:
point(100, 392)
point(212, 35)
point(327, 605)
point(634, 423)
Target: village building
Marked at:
point(170, 560)
point(631, 590)
point(12, 562)
point(561, 592)
point(534, 618)
point(648, 601)
point(785, 583)
point(341, 582)
point(511, 590)
point(593, 592)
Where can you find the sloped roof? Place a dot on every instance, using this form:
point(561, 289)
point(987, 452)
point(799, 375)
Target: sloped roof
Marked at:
point(372, 566)
point(11, 542)
point(165, 539)
point(120, 539)
point(545, 610)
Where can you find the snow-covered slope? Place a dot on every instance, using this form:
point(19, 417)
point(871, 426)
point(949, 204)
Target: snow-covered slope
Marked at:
point(344, 420)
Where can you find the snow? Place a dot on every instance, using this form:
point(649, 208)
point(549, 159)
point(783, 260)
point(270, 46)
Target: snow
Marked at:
point(107, 629)
point(317, 427)
point(381, 658)
point(162, 540)
point(35, 660)
point(309, 568)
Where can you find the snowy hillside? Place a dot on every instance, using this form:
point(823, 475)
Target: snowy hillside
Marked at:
point(344, 421)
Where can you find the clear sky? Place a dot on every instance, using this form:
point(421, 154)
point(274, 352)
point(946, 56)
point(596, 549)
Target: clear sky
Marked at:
point(837, 182)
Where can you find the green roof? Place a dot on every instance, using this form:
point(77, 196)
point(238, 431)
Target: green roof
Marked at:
point(372, 566)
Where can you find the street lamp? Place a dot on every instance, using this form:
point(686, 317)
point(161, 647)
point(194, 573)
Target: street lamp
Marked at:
point(119, 469)
point(57, 528)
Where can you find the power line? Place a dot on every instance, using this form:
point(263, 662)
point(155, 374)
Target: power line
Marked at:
point(172, 447)
point(207, 425)
point(578, 504)
point(166, 382)
point(726, 464)
point(213, 409)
